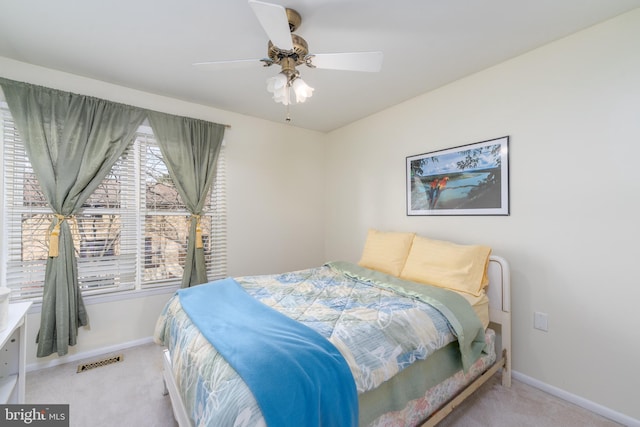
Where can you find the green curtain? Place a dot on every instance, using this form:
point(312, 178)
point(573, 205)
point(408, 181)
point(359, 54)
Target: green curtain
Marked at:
point(72, 142)
point(190, 148)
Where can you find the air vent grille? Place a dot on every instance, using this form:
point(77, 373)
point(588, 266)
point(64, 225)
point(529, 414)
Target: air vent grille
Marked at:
point(104, 362)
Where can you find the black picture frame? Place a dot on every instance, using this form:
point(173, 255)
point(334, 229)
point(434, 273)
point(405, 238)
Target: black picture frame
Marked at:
point(470, 179)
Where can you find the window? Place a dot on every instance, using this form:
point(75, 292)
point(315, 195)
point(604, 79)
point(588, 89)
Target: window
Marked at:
point(131, 233)
point(166, 220)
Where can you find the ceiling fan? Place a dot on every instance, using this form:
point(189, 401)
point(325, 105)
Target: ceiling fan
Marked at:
point(288, 50)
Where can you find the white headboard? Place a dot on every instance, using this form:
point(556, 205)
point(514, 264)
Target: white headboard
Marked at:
point(499, 293)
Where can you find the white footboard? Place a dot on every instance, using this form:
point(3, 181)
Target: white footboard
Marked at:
point(179, 411)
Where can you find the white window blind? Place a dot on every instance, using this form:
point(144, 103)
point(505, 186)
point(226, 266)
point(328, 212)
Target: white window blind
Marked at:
point(130, 234)
point(167, 220)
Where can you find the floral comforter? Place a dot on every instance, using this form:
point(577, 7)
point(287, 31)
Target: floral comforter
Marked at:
point(379, 324)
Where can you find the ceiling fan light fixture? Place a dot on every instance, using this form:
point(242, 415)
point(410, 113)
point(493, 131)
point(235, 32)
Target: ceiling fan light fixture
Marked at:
point(278, 85)
point(283, 96)
point(277, 82)
point(281, 84)
point(289, 50)
point(301, 89)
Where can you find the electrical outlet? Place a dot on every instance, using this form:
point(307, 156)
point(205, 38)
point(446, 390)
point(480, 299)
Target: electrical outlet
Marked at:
point(541, 321)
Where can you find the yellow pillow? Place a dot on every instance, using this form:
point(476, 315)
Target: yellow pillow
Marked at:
point(462, 268)
point(386, 251)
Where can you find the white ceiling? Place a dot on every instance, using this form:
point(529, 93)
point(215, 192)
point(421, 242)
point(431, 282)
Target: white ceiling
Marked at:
point(151, 44)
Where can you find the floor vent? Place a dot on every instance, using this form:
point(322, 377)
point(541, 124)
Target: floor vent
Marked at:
point(104, 362)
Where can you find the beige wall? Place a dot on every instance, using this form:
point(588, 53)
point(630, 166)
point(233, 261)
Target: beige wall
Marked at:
point(298, 198)
point(275, 185)
point(572, 111)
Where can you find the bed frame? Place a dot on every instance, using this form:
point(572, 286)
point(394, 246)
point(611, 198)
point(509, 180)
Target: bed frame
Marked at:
point(499, 292)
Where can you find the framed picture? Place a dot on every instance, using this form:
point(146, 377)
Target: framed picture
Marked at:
point(471, 179)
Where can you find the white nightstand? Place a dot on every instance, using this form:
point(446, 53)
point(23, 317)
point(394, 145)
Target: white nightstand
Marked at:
point(13, 343)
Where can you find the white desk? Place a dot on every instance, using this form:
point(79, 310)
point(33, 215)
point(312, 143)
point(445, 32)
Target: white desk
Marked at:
point(13, 343)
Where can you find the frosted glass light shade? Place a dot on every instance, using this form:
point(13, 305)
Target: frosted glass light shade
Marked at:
point(278, 86)
point(276, 82)
point(302, 90)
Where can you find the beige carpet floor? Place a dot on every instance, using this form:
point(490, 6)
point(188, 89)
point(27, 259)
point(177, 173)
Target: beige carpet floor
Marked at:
point(129, 394)
point(123, 394)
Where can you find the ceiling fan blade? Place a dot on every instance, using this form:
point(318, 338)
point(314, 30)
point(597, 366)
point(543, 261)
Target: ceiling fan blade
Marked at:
point(273, 19)
point(231, 64)
point(354, 61)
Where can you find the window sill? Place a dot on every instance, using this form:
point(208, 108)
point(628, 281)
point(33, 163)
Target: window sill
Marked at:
point(36, 307)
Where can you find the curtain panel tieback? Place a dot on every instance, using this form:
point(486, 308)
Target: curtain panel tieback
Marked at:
point(199, 244)
point(54, 237)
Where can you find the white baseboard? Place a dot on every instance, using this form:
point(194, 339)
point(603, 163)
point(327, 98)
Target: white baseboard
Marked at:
point(625, 420)
point(87, 354)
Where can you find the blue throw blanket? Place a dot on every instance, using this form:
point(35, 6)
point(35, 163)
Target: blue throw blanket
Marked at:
point(297, 376)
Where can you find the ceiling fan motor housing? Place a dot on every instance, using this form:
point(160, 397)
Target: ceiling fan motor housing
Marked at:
point(298, 54)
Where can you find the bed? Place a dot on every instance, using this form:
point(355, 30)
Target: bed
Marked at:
point(394, 384)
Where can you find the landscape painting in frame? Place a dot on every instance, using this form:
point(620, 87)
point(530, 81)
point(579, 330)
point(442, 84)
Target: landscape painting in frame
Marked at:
point(471, 179)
